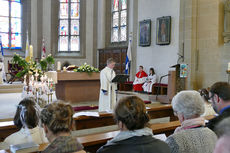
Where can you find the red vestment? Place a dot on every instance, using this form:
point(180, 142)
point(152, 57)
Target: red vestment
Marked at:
point(138, 82)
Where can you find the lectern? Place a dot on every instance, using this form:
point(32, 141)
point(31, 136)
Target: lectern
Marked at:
point(120, 78)
point(175, 82)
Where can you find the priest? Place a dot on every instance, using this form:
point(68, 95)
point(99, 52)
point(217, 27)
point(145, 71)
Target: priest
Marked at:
point(140, 79)
point(108, 89)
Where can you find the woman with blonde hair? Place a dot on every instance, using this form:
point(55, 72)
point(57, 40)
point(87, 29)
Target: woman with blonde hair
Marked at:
point(57, 120)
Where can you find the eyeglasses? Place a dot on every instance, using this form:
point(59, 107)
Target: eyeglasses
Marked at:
point(212, 95)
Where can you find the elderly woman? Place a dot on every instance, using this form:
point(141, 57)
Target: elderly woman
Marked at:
point(191, 136)
point(134, 136)
point(58, 121)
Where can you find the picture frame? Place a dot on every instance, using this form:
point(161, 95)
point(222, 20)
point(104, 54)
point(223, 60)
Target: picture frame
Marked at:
point(163, 30)
point(145, 33)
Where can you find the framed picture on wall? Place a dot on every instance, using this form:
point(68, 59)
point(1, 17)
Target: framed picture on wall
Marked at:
point(145, 33)
point(163, 30)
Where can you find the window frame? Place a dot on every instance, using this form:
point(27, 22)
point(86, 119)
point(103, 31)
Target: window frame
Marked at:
point(78, 52)
point(119, 21)
point(10, 27)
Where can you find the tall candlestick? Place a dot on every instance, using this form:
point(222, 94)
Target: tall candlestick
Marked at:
point(58, 66)
point(31, 51)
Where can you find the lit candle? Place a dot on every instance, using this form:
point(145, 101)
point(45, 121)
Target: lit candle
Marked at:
point(31, 51)
point(58, 66)
point(45, 77)
point(229, 66)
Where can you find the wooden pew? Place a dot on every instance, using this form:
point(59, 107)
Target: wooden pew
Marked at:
point(7, 128)
point(87, 122)
point(106, 119)
point(93, 142)
point(41, 148)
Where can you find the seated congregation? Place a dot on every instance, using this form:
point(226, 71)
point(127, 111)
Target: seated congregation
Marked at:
point(54, 123)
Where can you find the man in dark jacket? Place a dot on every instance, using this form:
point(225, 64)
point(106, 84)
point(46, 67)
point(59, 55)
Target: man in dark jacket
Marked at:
point(220, 96)
point(135, 136)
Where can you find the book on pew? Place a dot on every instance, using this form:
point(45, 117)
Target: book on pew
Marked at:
point(24, 147)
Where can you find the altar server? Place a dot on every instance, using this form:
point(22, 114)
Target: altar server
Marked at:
point(140, 79)
point(151, 79)
point(107, 99)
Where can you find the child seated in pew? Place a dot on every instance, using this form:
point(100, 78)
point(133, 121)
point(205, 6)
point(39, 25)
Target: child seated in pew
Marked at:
point(57, 120)
point(135, 136)
point(208, 109)
point(151, 79)
point(27, 120)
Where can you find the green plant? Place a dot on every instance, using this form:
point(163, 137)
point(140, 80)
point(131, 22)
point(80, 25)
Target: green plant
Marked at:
point(86, 68)
point(32, 67)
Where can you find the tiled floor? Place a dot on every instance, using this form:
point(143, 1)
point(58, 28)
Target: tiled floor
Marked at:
point(9, 102)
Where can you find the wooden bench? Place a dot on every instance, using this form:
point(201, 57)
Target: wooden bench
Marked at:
point(106, 119)
point(87, 122)
point(159, 89)
point(7, 128)
point(93, 142)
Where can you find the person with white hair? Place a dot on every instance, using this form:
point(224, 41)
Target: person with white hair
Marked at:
point(192, 136)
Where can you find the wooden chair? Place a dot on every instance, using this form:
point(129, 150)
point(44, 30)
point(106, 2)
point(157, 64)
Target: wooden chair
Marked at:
point(159, 89)
point(13, 69)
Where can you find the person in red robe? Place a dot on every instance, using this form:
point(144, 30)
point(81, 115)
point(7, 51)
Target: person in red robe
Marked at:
point(140, 79)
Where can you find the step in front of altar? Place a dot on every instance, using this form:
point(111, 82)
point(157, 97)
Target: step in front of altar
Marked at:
point(11, 88)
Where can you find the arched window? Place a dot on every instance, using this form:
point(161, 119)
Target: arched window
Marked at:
point(10, 24)
point(119, 21)
point(69, 26)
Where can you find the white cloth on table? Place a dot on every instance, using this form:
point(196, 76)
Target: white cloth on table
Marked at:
point(147, 86)
point(107, 101)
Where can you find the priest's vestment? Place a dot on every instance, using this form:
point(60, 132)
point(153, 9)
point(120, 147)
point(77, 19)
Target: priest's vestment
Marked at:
point(107, 99)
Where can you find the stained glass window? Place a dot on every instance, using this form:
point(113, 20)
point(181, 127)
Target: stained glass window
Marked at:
point(119, 21)
point(10, 24)
point(69, 26)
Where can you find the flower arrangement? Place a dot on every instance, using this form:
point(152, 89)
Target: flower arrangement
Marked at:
point(30, 67)
point(86, 68)
point(47, 62)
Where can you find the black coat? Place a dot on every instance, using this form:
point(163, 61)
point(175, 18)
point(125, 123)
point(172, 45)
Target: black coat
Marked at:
point(137, 144)
point(213, 122)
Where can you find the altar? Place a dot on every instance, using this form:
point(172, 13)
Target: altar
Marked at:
point(77, 87)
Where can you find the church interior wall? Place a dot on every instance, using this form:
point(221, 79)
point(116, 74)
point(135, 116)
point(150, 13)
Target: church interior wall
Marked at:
point(159, 57)
point(196, 24)
point(42, 21)
point(205, 51)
